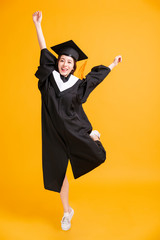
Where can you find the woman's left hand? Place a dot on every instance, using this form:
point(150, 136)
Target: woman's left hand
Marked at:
point(117, 60)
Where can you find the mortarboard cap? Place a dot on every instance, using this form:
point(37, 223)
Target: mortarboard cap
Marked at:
point(69, 48)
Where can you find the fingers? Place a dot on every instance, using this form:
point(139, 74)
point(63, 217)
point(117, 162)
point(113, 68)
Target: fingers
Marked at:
point(119, 58)
point(37, 13)
point(37, 17)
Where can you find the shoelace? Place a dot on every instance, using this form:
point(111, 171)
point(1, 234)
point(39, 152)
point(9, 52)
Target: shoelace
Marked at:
point(65, 219)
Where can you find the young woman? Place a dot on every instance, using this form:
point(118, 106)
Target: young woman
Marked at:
point(66, 130)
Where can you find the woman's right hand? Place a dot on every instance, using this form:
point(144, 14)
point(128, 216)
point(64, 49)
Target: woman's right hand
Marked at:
point(37, 17)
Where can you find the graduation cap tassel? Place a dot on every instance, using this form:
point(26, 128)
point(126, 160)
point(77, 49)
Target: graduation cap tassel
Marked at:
point(80, 73)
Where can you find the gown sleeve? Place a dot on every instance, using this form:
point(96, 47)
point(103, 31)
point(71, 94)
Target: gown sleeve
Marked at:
point(47, 65)
point(92, 79)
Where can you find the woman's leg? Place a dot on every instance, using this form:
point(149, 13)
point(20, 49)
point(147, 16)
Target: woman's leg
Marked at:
point(97, 140)
point(65, 187)
point(64, 195)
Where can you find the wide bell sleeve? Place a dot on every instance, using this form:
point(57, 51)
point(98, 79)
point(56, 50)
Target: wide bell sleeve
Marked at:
point(91, 81)
point(47, 65)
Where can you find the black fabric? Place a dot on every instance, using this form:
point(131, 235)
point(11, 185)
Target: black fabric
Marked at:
point(65, 79)
point(92, 80)
point(65, 126)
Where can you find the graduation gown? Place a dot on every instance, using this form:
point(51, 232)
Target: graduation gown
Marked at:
point(65, 126)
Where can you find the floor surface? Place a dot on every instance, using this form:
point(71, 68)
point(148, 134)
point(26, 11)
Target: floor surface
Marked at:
point(117, 211)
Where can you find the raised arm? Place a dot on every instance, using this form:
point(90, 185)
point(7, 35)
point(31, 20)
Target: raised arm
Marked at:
point(37, 18)
point(117, 60)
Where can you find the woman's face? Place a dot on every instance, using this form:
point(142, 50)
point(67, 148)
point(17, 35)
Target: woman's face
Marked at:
point(65, 65)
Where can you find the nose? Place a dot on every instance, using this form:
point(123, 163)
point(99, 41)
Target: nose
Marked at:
point(65, 63)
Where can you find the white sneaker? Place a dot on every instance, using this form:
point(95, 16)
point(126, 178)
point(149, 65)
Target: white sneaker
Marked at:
point(66, 220)
point(95, 132)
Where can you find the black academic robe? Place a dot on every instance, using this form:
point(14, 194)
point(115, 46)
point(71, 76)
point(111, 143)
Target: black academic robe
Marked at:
point(65, 126)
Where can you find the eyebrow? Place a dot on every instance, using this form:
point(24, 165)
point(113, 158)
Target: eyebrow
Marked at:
point(64, 59)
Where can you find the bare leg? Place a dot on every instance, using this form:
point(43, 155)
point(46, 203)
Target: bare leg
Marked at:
point(65, 188)
point(64, 195)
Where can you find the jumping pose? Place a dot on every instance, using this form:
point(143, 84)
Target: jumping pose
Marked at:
point(66, 131)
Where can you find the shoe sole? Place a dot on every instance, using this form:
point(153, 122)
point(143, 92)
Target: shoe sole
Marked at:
point(65, 229)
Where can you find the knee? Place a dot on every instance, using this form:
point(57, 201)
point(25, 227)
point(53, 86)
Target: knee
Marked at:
point(102, 153)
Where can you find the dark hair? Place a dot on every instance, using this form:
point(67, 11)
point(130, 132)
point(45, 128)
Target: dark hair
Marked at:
point(74, 67)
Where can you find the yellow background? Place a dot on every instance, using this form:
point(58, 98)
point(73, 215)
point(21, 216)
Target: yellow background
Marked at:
point(119, 200)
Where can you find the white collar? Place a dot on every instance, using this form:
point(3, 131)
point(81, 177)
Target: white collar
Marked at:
point(64, 85)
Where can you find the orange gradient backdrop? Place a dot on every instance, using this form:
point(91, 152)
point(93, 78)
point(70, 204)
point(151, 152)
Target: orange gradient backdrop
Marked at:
point(124, 108)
